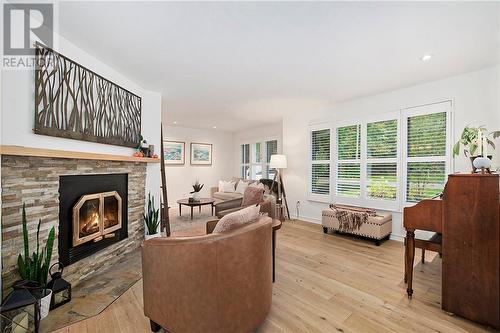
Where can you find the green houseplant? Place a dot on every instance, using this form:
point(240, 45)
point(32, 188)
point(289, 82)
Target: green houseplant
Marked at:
point(469, 142)
point(197, 188)
point(151, 219)
point(36, 267)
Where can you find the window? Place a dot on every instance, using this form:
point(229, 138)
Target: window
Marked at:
point(320, 162)
point(426, 155)
point(245, 161)
point(349, 161)
point(256, 169)
point(255, 158)
point(381, 160)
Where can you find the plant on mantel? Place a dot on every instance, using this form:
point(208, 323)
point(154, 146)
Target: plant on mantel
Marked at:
point(469, 141)
point(151, 218)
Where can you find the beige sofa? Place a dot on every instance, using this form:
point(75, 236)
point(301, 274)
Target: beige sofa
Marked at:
point(220, 283)
point(235, 198)
point(377, 227)
point(216, 194)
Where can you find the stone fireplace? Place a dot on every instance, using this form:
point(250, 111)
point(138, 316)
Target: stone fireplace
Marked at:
point(107, 197)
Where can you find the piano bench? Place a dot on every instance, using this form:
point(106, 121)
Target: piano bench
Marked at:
point(433, 244)
point(377, 227)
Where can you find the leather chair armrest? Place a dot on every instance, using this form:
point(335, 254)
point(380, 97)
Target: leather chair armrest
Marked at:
point(213, 190)
point(266, 207)
point(229, 204)
point(211, 226)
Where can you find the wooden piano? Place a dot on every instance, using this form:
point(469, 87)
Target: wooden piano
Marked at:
point(468, 217)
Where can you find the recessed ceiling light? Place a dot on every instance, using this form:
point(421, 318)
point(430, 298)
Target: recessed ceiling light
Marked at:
point(175, 122)
point(426, 57)
point(214, 127)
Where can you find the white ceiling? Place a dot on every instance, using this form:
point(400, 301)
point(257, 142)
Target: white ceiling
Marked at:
point(236, 65)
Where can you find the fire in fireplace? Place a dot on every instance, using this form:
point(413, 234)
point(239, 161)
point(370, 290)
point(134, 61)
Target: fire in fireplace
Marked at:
point(96, 216)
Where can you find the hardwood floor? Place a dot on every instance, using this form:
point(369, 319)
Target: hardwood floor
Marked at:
point(326, 283)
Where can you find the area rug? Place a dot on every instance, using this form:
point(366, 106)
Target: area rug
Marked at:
point(94, 294)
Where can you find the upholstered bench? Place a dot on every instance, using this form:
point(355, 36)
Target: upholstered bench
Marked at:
point(376, 227)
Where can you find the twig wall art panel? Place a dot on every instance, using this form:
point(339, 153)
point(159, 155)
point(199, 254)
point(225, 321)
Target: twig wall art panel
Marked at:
point(73, 102)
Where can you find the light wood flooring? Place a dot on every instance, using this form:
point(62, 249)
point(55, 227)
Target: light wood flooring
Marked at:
point(326, 283)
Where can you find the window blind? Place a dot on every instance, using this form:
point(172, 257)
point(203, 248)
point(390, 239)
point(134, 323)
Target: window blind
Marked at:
point(271, 149)
point(320, 161)
point(427, 135)
point(245, 154)
point(349, 161)
point(426, 156)
point(382, 153)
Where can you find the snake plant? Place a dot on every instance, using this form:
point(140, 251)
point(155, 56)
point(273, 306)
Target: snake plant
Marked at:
point(36, 266)
point(151, 216)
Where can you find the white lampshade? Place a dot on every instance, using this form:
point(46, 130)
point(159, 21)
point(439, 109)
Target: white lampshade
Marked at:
point(278, 162)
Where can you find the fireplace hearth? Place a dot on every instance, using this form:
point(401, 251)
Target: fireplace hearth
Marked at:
point(92, 214)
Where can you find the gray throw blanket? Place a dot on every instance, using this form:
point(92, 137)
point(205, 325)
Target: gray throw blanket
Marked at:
point(351, 218)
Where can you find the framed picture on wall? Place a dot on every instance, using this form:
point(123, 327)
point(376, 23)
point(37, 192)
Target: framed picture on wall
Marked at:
point(174, 152)
point(201, 154)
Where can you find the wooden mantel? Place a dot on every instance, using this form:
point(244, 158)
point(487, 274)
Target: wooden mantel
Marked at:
point(40, 152)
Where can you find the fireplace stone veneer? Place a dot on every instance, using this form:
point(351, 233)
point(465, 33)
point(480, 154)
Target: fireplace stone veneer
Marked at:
point(35, 181)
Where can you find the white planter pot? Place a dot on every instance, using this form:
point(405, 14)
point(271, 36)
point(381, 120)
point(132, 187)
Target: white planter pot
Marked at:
point(45, 304)
point(158, 234)
point(196, 195)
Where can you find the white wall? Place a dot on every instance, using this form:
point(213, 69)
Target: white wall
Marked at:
point(18, 90)
point(270, 131)
point(181, 177)
point(475, 102)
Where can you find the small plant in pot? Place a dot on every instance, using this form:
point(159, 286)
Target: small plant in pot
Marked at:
point(197, 188)
point(151, 219)
point(475, 142)
point(35, 268)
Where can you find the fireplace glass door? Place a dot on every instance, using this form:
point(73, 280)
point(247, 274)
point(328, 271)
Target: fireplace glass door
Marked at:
point(96, 216)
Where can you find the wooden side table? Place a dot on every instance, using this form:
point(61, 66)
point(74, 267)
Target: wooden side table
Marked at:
point(276, 226)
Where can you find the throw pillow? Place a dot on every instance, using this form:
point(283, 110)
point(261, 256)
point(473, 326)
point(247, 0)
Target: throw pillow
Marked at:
point(252, 196)
point(257, 185)
point(237, 219)
point(226, 186)
point(241, 186)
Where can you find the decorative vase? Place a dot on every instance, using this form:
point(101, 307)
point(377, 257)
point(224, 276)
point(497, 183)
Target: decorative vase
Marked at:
point(482, 163)
point(196, 196)
point(473, 158)
point(45, 303)
point(158, 234)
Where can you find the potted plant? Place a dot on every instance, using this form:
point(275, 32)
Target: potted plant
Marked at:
point(469, 140)
point(151, 219)
point(36, 267)
point(197, 188)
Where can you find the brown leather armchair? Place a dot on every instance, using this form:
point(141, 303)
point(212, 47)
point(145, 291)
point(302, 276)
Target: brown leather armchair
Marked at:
point(211, 283)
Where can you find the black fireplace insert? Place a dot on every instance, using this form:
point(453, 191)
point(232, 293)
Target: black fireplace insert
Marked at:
point(96, 233)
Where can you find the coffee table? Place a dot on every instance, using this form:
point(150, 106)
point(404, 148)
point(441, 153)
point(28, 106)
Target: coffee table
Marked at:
point(200, 202)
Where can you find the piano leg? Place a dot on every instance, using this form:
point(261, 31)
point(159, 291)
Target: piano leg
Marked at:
point(409, 256)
